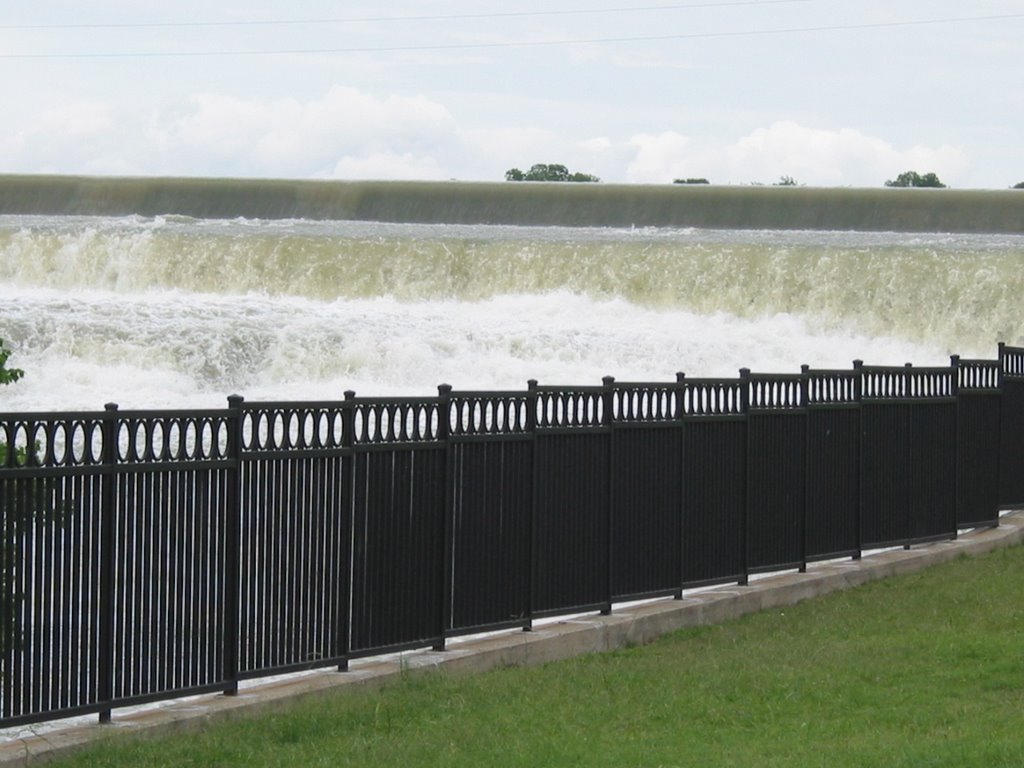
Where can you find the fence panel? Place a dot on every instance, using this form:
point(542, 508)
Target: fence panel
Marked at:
point(294, 542)
point(979, 416)
point(885, 458)
point(170, 555)
point(492, 498)
point(398, 524)
point(51, 497)
point(647, 491)
point(833, 464)
point(777, 469)
point(934, 471)
point(908, 455)
point(714, 481)
point(571, 501)
point(1011, 454)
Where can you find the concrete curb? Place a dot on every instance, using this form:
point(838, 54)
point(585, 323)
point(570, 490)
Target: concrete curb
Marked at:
point(629, 625)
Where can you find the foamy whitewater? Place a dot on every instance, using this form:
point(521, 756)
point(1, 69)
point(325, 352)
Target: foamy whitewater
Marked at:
point(178, 312)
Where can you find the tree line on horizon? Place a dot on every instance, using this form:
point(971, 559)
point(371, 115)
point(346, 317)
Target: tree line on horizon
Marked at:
point(559, 172)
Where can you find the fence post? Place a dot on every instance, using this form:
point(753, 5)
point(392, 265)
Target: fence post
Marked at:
point(107, 546)
point(681, 487)
point(745, 409)
point(531, 428)
point(954, 362)
point(805, 391)
point(343, 609)
point(907, 501)
point(608, 417)
point(232, 547)
point(858, 395)
point(444, 392)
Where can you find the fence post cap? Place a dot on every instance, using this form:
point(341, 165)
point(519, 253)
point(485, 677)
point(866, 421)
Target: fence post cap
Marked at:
point(858, 364)
point(607, 380)
point(110, 407)
point(444, 389)
point(531, 384)
point(350, 394)
point(680, 376)
point(235, 400)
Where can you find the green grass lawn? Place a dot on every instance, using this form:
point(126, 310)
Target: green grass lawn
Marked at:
point(920, 670)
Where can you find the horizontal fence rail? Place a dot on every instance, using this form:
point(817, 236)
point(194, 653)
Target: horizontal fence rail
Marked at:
point(149, 555)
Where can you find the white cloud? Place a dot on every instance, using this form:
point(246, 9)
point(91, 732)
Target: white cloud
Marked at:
point(388, 166)
point(786, 148)
point(72, 137)
point(662, 157)
point(218, 134)
point(316, 137)
point(596, 145)
point(515, 146)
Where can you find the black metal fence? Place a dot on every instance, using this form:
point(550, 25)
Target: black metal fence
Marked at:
point(152, 554)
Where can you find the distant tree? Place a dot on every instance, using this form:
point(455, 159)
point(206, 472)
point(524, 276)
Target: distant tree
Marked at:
point(690, 181)
point(547, 172)
point(914, 179)
point(785, 181)
point(1018, 186)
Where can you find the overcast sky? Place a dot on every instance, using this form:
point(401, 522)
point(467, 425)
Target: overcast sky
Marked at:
point(829, 92)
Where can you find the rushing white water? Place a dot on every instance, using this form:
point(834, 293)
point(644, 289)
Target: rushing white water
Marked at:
point(181, 312)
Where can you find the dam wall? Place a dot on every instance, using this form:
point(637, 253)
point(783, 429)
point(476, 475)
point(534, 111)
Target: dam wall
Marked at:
point(524, 203)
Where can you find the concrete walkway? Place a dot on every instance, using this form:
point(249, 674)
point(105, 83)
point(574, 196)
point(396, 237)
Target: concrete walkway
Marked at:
point(627, 625)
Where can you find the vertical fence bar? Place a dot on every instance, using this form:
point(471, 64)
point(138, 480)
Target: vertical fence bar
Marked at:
point(531, 427)
point(608, 419)
point(909, 500)
point(681, 489)
point(344, 594)
point(805, 400)
point(107, 548)
point(805, 387)
point(444, 392)
point(858, 383)
point(744, 579)
point(232, 547)
point(954, 362)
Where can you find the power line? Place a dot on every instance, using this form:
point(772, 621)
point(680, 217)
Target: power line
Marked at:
point(378, 19)
point(513, 44)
